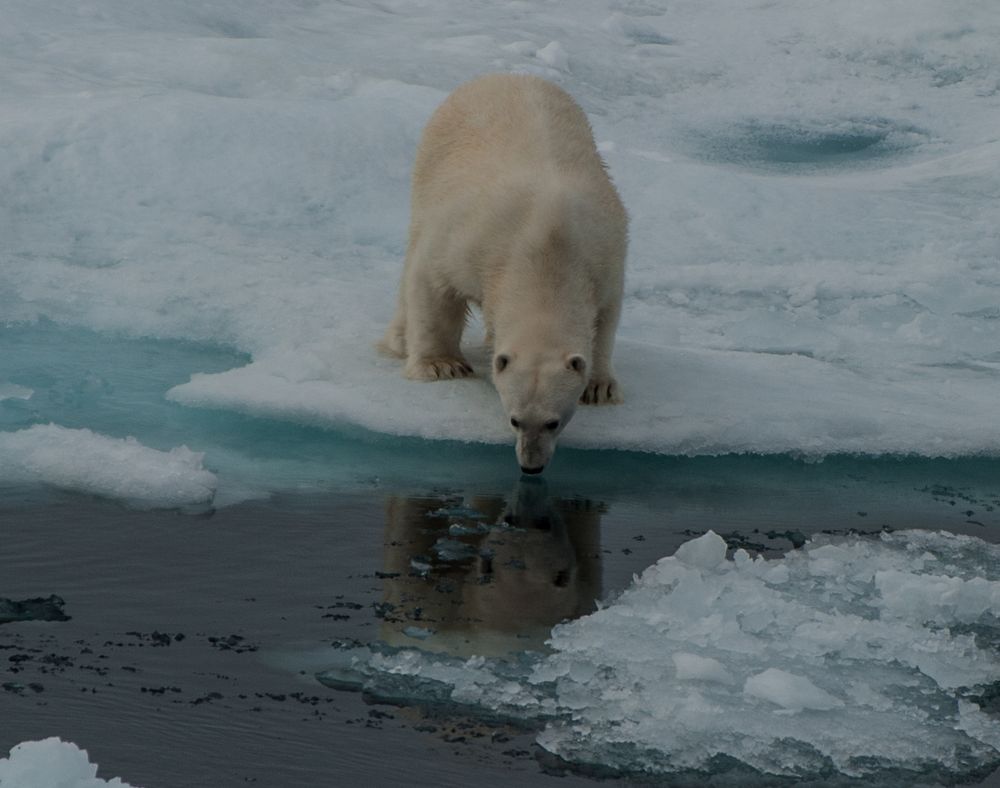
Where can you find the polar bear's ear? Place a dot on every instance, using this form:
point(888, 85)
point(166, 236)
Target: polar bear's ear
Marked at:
point(577, 363)
point(500, 362)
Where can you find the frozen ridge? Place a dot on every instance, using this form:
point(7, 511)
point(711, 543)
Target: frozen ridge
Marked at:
point(120, 468)
point(857, 656)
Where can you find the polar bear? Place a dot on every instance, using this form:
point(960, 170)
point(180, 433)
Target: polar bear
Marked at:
point(512, 210)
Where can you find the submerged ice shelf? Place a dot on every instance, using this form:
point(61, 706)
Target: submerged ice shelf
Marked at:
point(853, 656)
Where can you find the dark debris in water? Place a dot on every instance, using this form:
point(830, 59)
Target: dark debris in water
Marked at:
point(21, 689)
point(797, 538)
point(736, 540)
point(36, 609)
point(154, 638)
point(160, 690)
point(953, 496)
point(207, 698)
point(773, 542)
point(39, 668)
point(235, 643)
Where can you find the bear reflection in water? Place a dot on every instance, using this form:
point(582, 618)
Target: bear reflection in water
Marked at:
point(486, 575)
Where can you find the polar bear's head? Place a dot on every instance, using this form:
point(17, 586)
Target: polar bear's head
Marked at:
point(539, 392)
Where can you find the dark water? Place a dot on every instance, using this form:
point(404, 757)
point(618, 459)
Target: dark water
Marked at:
point(192, 643)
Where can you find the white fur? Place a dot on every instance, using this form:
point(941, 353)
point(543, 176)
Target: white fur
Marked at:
point(513, 211)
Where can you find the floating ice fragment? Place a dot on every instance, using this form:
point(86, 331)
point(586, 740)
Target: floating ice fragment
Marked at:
point(453, 550)
point(51, 763)
point(463, 512)
point(460, 529)
point(120, 468)
point(420, 565)
point(14, 391)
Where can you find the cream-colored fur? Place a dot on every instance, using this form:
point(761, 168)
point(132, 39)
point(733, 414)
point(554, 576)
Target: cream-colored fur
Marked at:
point(513, 211)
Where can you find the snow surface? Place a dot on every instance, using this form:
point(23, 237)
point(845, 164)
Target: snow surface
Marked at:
point(812, 187)
point(828, 658)
point(51, 763)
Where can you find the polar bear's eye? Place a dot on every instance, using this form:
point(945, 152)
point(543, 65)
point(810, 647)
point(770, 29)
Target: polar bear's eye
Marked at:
point(501, 362)
point(515, 424)
point(552, 426)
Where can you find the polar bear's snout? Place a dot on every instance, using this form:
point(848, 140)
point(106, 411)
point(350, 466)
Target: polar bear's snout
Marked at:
point(539, 391)
point(536, 441)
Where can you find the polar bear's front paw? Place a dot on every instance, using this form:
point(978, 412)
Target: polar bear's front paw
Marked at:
point(438, 369)
point(601, 391)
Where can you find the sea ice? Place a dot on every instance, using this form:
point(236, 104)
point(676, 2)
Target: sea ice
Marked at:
point(51, 763)
point(812, 264)
point(795, 666)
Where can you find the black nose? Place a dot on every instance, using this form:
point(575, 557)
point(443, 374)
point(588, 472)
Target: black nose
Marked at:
point(533, 471)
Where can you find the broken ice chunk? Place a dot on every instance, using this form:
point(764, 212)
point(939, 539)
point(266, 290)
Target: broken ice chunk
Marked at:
point(705, 552)
point(691, 667)
point(793, 693)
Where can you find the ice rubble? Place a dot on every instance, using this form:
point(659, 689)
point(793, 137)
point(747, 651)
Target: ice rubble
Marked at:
point(51, 763)
point(813, 247)
point(855, 655)
point(122, 468)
